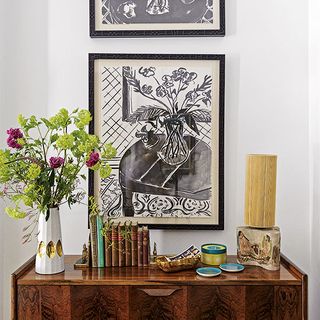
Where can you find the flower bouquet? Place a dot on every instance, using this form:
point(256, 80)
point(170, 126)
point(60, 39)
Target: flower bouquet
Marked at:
point(42, 170)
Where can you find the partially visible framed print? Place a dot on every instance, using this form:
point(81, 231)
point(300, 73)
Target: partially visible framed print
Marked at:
point(156, 18)
point(165, 116)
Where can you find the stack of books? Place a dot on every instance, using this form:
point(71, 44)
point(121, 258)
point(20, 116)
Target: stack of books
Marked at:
point(118, 245)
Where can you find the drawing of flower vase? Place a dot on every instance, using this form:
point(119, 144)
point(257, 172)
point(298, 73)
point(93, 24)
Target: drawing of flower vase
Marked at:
point(173, 104)
point(175, 150)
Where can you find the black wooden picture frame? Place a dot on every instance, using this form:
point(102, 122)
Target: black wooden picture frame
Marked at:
point(170, 18)
point(138, 102)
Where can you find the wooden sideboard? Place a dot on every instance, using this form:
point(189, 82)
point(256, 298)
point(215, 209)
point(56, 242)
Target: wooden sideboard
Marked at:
point(149, 293)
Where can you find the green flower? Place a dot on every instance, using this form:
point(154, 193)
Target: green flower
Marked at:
point(15, 213)
point(61, 119)
point(5, 174)
point(105, 171)
point(65, 141)
point(30, 192)
point(90, 143)
point(27, 201)
point(109, 151)
point(96, 166)
point(4, 156)
point(30, 188)
point(22, 120)
point(33, 172)
point(21, 141)
point(69, 169)
point(83, 119)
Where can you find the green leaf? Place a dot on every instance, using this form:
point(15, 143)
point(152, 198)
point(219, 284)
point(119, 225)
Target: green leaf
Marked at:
point(46, 122)
point(54, 138)
point(51, 178)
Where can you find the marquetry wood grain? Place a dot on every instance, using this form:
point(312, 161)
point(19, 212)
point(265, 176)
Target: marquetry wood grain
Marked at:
point(44, 302)
point(259, 303)
point(55, 303)
point(168, 303)
point(288, 302)
point(221, 302)
point(100, 302)
point(28, 302)
point(297, 272)
point(29, 264)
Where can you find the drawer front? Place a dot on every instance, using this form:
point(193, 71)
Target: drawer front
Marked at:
point(216, 302)
point(244, 302)
point(158, 303)
point(44, 302)
point(100, 303)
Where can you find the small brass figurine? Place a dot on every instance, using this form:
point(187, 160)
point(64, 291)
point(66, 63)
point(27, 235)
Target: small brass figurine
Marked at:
point(154, 253)
point(85, 254)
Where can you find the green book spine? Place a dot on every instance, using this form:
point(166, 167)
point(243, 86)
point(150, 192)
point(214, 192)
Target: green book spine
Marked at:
point(100, 242)
point(93, 240)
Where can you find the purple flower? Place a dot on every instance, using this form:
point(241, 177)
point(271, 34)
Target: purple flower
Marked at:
point(12, 143)
point(93, 159)
point(56, 162)
point(15, 133)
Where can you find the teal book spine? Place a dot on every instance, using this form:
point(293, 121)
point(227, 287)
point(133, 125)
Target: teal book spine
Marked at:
point(100, 242)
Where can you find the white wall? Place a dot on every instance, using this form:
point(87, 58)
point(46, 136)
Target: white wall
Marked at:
point(25, 91)
point(1, 139)
point(266, 107)
point(314, 94)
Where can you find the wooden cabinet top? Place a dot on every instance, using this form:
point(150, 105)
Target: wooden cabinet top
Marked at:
point(288, 274)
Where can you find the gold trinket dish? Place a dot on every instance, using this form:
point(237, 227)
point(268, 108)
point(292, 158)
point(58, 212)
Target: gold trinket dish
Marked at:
point(177, 265)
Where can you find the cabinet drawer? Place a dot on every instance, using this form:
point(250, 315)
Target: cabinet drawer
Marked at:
point(216, 302)
point(158, 302)
point(99, 302)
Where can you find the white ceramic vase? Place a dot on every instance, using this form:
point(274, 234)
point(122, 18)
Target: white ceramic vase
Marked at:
point(50, 257)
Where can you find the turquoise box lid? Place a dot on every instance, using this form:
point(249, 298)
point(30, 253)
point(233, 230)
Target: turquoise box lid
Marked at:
point(213, 248)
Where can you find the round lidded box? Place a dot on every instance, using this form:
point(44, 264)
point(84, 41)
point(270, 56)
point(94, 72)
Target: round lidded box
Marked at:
point(213, 254)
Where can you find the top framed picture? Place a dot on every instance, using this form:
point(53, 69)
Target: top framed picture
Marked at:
point(157, 18)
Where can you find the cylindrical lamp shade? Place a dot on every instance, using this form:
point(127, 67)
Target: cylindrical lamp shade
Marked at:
point(260, 194)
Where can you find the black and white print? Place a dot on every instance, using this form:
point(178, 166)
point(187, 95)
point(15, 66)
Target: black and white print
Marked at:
point(163, 119)
point(156, 11)
point(153, 18)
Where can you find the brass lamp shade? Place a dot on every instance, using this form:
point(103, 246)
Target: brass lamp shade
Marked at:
point(260, 194)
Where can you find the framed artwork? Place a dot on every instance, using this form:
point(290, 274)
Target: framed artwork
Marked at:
point(156, 18)
point(165, 116)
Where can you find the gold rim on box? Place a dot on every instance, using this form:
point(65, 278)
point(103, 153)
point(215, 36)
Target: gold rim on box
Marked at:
point(177, 265)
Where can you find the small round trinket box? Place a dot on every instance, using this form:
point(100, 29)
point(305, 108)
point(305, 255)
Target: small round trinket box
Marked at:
point(213, 254)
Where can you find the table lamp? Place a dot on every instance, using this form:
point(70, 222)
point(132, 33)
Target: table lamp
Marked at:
point(260, 191)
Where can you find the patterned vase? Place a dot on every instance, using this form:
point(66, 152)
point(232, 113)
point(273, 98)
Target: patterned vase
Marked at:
point(50, 257)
